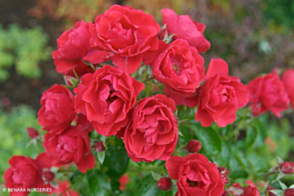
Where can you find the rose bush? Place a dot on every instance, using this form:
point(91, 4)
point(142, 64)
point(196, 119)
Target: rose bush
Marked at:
point(151, 105)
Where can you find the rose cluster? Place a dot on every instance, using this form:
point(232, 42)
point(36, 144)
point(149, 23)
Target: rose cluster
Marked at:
point(100, 62)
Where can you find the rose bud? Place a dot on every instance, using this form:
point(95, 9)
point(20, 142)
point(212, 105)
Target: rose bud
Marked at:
point(48, 176)
point(123, 182)
point(287, 167)
point(32, 132)
point(224, 174)
point(289, 192)
point(164, 183)
point(99, 147)
point(194, 146)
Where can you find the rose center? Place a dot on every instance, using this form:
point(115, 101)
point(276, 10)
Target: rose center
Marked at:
point(192, 183)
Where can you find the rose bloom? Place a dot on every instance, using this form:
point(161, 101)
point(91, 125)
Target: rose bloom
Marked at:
point(63, 189)
point(126, 32)
point(106, 98)
point(195, 175)
point(26, 172)
point(73, 48)
point(57, 111)
point(71, 145)
point(153, 132)
point(267, 93)
point(185, 28)
point(221, 96)
point(179, 67)
point(288, 78)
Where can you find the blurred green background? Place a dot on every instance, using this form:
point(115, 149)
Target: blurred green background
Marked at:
point(253, 36)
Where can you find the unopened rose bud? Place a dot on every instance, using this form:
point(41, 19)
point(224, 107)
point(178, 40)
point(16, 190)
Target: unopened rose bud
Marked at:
point(32, 132)
point(287, 167)
point(70, 81)
point(99, 147)
point(194, 146)
point(48, 176)
point(224, 174)
point(289, 192)
point(164, 183)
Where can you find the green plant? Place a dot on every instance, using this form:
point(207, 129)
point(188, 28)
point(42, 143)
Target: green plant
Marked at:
point(24, 48)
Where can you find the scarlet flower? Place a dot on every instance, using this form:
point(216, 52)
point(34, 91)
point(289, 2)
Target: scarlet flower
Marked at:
point(73, 48)
point(152, 132)
point(195, 175)
point(185, 28)
point(107, 98)
point(26, 172)
point(220, 97)
point(267, 93)
point(57, 111)
point(126, 32)
point(71, 145)
point(180, 68)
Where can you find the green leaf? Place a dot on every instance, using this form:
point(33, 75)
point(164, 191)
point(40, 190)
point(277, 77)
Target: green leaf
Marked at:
point(251, 136)
point(101, 156)
point(92, 183)
point(116, 162)
point(148, 187)
point(210, 139)
point(224, 156)
point(98, 183)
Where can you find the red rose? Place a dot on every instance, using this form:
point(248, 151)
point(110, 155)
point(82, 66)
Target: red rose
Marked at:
point(153, 131)
point(73, 48)
point(184, 27)
point(26, 172)
point(126, 32)
point(267, 93)
point(179, 67)
point(71, 145)
point(106, 98)
point(288, 78)
point(57, 111)
point(63, 189)
point(221, 96)
point(195, 175)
